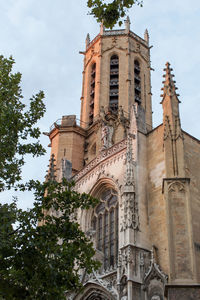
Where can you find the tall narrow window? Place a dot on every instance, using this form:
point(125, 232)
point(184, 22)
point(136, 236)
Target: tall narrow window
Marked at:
point(114, 83)
point(106, 227)
point(137, 81)
point(92, 93)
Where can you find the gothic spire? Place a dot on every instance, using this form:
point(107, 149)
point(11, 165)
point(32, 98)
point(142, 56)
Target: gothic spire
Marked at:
point(173, 136)
point(170, 101)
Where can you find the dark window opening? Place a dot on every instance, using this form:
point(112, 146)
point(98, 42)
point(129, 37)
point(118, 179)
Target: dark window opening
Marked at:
point(114, 83)
point(92, 94)
point(137, 81)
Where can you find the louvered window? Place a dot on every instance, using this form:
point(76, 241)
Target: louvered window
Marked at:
point(114, 83)
point(137, 81)
point(92, 93)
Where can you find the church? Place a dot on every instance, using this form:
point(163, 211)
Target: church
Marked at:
point(146, 226)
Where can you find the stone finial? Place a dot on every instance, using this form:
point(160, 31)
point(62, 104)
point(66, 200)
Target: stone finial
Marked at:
point(102, 28)
point(169, 87)
point(127, 24)
point(87, 40)
point(146, 36)
point(51, 176)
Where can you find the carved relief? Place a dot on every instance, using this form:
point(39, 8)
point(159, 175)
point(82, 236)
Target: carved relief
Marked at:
point(108, 283)
point(131, 215)
point(178, 131)
point(123, 288)
point(167, 129)
point(154, 281)
point(104, 155)
point(111, 122)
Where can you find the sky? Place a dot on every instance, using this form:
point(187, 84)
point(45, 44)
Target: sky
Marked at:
point(45, 38)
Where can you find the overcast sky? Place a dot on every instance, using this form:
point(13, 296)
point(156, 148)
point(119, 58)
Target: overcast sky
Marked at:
point(45, 38)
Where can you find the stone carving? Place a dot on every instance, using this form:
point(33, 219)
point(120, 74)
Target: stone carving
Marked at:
point(106, 135)
point(123, 288)
point(131, 216)
point(178, 131)
point(155, 271)
point(103, 156)
point(110, 121)
point(155, 280)
point(176, 187)
point(107, 283)
point(167, 129)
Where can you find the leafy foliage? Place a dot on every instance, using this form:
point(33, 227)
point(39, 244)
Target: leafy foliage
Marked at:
point(42, 262)
point(110, 13)
point(36, 262)
point(16, 125)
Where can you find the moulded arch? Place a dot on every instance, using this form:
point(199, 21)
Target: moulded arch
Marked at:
point(139, 57)
point(102, 184)
point(92, 63)
point(93, 290)
point(113, 53)
point(140, 61)
point(176, 185)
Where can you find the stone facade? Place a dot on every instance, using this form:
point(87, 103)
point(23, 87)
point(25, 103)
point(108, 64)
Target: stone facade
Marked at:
point(146, 229)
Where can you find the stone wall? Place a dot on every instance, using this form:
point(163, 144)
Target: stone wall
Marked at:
point(192, 159)
point(156, 203)
point(183, 293)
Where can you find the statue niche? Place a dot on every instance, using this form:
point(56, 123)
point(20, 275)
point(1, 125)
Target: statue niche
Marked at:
point(106, 135)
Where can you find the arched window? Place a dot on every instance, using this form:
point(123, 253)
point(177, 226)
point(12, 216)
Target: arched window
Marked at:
point(137, 81)
point(114, 83)
point(92, 93)
point(105, 223)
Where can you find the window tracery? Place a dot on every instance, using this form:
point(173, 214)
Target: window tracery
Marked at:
point(105, 223)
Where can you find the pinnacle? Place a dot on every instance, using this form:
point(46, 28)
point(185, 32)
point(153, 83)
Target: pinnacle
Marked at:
point(146, 36)
point(169, 86)
point(52, 171)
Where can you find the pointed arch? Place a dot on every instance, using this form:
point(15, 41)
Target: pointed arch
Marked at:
point(93, 291)
point(102, 221)
point(176, 186)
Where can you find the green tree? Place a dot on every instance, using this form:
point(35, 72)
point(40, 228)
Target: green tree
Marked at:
point(110, 12)
point(36, 262)
point(17, 125)
point(43, 262)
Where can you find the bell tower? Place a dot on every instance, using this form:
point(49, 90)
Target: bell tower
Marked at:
point(116, 75)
